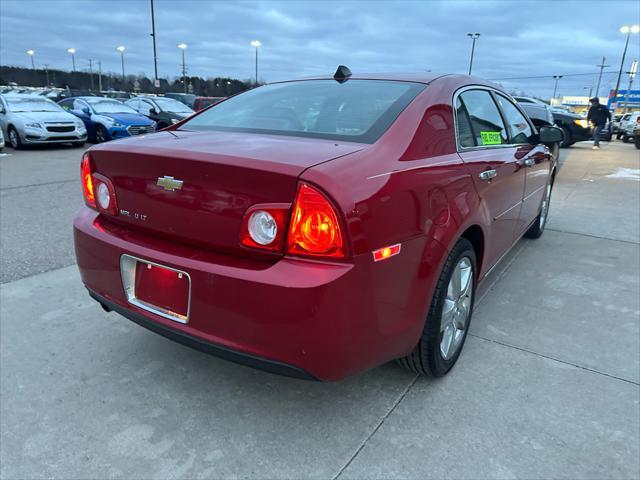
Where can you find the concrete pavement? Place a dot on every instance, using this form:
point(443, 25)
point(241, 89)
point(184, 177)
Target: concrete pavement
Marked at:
point(547, 386)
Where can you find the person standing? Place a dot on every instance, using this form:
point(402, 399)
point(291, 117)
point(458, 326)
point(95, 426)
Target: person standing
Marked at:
point(598, 116)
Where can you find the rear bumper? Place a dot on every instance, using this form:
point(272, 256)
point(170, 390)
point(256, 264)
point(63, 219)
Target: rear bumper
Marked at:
point(306, 319)
point(198, 344)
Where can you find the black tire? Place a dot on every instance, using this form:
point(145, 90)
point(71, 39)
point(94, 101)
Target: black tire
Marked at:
point(101, 134)
point(567, 141)
point(625, 138)
point(537, 228)
point(14, 138)
point(636, 141)
point(426, 358)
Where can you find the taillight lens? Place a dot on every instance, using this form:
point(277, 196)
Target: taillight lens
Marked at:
point(263, 226)
point(314, 229)
point(87, 181)
point(104, 194)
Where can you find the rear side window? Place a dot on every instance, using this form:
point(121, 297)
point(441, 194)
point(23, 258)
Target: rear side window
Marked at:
point(518, 125)
point(465, 134)
point(357, 110)
point(486, 122)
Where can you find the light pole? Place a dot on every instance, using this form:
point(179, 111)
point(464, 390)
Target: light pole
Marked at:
point(183, 47)
point(628, 30)
point(72, 51)
point(121, 49)
point(155, 56)
point(256, 44)
point(555, 88)
point(473, 37)
point(31, 53)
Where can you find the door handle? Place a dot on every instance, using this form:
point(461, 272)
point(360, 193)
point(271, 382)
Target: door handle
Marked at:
point(488, 174)
point(528, 162)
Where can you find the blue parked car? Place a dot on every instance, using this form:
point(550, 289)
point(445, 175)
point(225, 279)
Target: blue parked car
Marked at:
point(107, 119)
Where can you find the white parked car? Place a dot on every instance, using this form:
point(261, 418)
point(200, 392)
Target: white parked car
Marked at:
point(629, 126)
point(32, 119)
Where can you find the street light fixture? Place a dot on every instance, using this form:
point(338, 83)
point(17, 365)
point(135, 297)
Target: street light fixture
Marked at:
point(31, 53)
point(72, 51)
point(628, 30)
point(183, 47)
point(555, 88)
point(473, 37)
point(256, 44)
point(121, 49)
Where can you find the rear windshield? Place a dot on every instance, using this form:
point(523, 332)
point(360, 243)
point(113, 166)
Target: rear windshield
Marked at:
point(357, 110)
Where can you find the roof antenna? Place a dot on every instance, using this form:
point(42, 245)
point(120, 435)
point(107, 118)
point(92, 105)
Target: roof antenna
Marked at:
point(342, 74)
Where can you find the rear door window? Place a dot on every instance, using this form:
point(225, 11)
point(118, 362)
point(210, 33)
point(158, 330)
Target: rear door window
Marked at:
point(486, 121)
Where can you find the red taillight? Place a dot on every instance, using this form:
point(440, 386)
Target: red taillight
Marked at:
point(104, 194)
point(314, 229)
point(263, 226)
point(87, 181)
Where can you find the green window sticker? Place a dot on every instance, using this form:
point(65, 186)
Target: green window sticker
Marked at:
point(491, 138)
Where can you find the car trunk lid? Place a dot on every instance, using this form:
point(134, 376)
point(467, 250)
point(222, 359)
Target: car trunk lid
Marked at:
point(222, 175)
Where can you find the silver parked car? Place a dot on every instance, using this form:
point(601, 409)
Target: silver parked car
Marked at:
point(1, 140)
point(32, 119)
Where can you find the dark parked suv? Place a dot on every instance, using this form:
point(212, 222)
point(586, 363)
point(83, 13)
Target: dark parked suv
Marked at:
point(164, 111)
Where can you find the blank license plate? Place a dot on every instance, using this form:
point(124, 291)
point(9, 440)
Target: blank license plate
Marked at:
point(162, 288)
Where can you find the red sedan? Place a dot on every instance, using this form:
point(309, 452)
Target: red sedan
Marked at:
point(317, 228)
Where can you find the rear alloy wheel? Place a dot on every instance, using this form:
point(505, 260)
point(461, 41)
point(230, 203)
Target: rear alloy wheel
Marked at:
point(14, 139)
point(536, 230)
point(449, 315)
point(101, 134)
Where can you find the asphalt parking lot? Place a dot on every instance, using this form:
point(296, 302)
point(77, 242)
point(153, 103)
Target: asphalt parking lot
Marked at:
point(548, 385)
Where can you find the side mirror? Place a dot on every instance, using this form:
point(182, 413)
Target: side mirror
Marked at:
point(86, 110)
point(153, 112)
point(549, 134)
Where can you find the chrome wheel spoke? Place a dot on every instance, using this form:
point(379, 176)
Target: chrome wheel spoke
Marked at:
point(448, 338)
point(456, 308)
point(448, 311)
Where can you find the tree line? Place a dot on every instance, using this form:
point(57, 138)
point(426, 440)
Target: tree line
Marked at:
point(209, 87)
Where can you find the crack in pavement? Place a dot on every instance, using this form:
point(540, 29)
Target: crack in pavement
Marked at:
point(565, 362)
point(592, 236)
point(37, 184)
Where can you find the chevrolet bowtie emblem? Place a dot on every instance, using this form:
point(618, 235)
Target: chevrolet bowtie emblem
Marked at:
point(169, 183)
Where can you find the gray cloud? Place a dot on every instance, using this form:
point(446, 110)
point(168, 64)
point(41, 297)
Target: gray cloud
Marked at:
point(301, 38)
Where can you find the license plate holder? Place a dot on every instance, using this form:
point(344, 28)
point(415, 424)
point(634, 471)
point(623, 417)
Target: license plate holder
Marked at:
point(162, 290)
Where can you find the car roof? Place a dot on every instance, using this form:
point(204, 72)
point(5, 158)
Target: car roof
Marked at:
point(420, 77)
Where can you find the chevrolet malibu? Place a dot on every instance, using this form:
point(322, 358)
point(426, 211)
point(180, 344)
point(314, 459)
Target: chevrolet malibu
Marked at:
point(317, 228)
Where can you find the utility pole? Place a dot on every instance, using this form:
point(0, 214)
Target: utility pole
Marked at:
point(46, 72)
point(155, 57)
point(91, 72)
point(632, 74)
point(100, 75)
point(602, 67)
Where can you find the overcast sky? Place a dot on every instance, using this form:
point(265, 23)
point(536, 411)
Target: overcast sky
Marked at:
point(302, 38)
